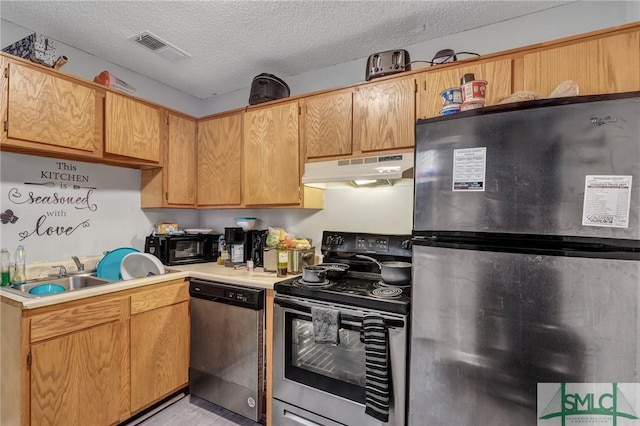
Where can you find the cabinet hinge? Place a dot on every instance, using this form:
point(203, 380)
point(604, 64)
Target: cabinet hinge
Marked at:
point(299, 193)
point(166, 119)
point(6, 126)
point(299, 110)
point(6, 72)
point(166, 195)
point(29, 358)
point(415, 83)
point(424, 85)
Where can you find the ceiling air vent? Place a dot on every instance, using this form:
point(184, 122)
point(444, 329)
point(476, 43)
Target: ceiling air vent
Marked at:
point(159, 46)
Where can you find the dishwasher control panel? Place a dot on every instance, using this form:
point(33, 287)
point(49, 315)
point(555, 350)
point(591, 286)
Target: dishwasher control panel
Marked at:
point(238, 295)
point(247, 297)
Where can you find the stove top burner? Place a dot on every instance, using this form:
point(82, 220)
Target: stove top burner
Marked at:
point(383, 284)
point(355, 289)
point(299, 282)
point(386, 292)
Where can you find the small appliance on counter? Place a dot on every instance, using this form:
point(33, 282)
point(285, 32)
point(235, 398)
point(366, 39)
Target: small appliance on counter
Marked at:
point(245, 245)
point(270, 261)
point(183, 249)
point(299, 258)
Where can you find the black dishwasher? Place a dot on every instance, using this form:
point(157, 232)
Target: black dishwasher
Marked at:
point(227, 352)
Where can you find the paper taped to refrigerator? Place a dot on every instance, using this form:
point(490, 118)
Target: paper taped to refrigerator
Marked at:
point(607, 201)
point(469, 169)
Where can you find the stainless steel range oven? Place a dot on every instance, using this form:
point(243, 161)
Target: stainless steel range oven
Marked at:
point(325, 383)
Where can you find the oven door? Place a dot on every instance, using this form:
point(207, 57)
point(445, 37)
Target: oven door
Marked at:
point(329, 380)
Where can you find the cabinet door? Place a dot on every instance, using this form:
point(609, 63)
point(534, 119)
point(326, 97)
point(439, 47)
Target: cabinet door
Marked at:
point(76, 379)
point(53, 111)
point(132, 128)
point(220, 161)
point(180, 164)
point(271, 157)
point(4, 97)
point(384, 115)
point(605, 65)
point(328, 123)
point(159, 353)
point(498, 75)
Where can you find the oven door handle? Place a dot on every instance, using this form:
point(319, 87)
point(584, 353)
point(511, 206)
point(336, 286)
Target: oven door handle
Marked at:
point(344, 318)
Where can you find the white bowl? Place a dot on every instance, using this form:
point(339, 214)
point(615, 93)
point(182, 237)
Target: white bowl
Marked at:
point(246, 223)
point(140, 265)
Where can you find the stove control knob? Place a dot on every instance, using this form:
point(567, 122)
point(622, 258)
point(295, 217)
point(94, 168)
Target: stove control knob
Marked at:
point(406, 245)
point(339, 240)
point(329, 240)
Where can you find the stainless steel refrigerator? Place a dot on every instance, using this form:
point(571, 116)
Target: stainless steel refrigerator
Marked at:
point(526, 257)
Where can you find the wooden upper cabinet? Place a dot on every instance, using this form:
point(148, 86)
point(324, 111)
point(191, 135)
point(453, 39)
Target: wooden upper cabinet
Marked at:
point(605, 65)
point(498, 75)
point(181, 162)
point(220, 161)
point(328, 124)
point(49, 112)
point(384, 115)
point(132, 128)
point(271, 155)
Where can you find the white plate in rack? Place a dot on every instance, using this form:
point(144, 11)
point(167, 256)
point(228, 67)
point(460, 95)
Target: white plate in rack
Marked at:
point(198, 230)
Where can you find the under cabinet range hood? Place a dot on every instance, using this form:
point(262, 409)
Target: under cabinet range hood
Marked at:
point(385, 167)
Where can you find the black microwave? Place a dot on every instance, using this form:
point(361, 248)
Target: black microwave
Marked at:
point(183, 249)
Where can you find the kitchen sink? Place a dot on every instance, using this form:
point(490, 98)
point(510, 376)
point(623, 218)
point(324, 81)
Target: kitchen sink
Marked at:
point(70, 283)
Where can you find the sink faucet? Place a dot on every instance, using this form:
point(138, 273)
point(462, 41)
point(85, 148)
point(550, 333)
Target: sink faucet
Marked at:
point(62, 272)
point(79, 265)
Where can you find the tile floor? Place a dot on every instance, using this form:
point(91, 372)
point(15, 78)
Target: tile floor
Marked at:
point(193, 411)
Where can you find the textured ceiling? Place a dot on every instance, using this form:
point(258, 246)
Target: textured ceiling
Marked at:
point(230, 42)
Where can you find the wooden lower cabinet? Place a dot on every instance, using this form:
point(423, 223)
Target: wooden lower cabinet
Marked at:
point(95, 361)
point(159, 353)
point(76, 379)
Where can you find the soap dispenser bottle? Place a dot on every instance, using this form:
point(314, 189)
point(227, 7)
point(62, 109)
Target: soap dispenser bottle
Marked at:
point(19, 267)
point(5, 257)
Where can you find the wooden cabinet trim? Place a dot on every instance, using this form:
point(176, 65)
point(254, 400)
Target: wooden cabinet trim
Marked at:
point(159, 297)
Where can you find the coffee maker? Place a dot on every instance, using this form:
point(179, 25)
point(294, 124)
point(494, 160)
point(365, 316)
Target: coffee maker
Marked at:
point(246, 245)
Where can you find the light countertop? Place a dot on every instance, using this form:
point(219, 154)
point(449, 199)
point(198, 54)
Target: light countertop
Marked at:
point(206, 271)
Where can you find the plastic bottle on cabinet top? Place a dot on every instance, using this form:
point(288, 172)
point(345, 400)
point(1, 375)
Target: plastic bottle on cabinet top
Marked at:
point(20, 266)
point(5, 258)
point(282, 256)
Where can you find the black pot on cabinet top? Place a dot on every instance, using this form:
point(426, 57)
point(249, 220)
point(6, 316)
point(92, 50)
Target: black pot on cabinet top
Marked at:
point(267, 87)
